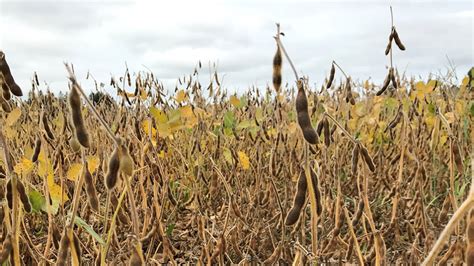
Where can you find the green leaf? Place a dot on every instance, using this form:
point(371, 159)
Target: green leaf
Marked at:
point(229, 120)
point(79, 222)
point(37, 200)
point(244, 124)
point(169, 229)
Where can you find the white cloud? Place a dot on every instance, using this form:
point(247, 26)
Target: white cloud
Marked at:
point(170, 37)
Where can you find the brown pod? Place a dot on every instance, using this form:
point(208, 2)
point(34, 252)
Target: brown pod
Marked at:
point(389, 45)
point(5, 106)
point(457, 157)
point(317, 192)
point(349, 97)
point(394, 80)
point(355, 159)
point(23, 196)
point(319, 127)
point(397, 40)
point(277, 61)
point(77, 120)
point(7, 249)
point(358, 214)
point(9, 194)
point(395, 121)
point(304, 121)
point(331, 76)
point(56, 236)
point(135, 259)
point(5, 69)
point(46, 127)
point(126, 161)
point(298, 201)
point(74, 144)
point(274, 257)
point(77, 248)
point(90, 189)
point(37, 150)
point(122, 217)
point(327, 132)
point(5, 89)
point(113, 169)
point(368, 160)
point(470, 239)
point(386, 82)
point(63, 251)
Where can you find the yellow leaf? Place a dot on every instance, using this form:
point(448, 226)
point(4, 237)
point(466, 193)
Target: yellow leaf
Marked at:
point(180, 96)
point(143, 94)
point(160, 116)
point(234, 101)
point(24, 167)
point(92, 163)
point(244, 160)
point(146, 127)
point(186, 111)
point(13, 116)
point(55, 192)
point(443, 139)
point(74, 171)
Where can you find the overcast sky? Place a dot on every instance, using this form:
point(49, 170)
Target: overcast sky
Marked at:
point(169, 37)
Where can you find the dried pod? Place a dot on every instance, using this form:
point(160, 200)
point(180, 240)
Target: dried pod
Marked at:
point(5, 70)
point(63, 251)
point(303, 116)
point(395, 120)
point(355, 159)
point(23, 196)
point(7, 249)
point(113, 169)
point(135, 259)
point(220, 247)
point(5, 106)
point(5, 89)
point(469, 255)
point(394, 80)
point(368, 160)
point(37, 150)
point(457, 157)
point(9, 194)
point(56, 236)
point(317, 192)
point(386, 82)
point(46, 127)
point(90, 189)
point(74, 144)
point(77, 248)
point(349, 97)
point(397, 40)
point(319, 127)
point(274, 257)
point(77, 120)
point(331, 76)
point(126, 161)
point(389, 45)
point(277, 61)
point(298, 201)
point(327, 132)
point(358, 214)
point(122, 216)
